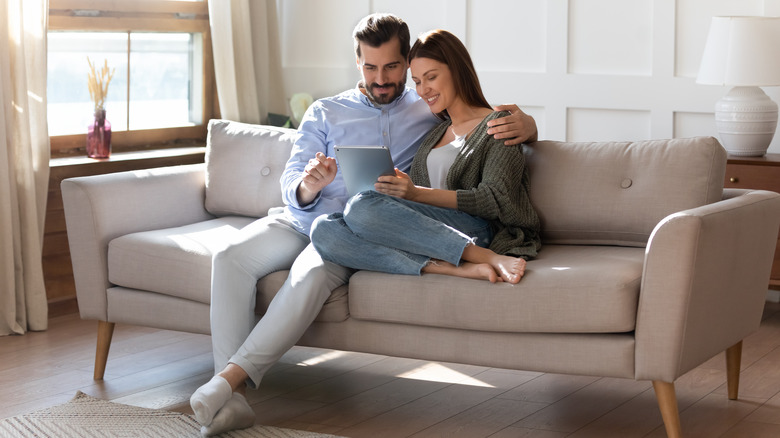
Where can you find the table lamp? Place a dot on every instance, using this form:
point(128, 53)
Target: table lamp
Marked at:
point(743, 52)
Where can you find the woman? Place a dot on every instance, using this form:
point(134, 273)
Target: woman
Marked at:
point(464, 209)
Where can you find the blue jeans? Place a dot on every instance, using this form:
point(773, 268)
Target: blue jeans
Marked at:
point(383, 233)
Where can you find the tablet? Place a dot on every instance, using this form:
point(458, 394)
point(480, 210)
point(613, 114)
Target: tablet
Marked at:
point(362, 165)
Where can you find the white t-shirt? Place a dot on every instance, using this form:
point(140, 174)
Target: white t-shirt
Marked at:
point(440, 160)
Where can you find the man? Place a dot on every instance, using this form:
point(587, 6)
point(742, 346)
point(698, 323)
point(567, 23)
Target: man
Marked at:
point(379, 111)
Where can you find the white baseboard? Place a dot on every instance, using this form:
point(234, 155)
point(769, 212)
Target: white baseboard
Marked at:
point(773, 296)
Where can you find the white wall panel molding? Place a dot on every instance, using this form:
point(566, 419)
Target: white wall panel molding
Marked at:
point(662, 94)
point(424, 15)
point(455, 19)
point(617, 42)
point(558, 93)
point(557, 36)
point(694, 124)
point(319, 34)
point(772, 8)
point(587, 124)
point(513, 39)
point(317, 48)
point(663, 38)
point(575, 68)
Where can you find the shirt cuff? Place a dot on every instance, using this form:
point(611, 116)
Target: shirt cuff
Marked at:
point(292, 197)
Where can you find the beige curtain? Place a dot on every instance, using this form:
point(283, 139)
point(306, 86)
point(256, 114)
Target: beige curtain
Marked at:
point(247, 60)
point(24, 164)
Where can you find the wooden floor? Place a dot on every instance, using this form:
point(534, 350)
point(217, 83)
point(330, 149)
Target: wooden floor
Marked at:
point(363, 395)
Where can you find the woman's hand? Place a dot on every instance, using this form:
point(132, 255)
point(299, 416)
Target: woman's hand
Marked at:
point(401, 186)
point(398, 185)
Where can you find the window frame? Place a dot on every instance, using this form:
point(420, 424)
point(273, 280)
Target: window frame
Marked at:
point(143, 16)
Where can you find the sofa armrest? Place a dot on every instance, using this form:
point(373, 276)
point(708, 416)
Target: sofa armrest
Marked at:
point(729, 193)
point(100, 208)
point(704, 284)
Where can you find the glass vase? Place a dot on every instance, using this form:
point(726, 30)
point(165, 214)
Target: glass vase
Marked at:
point(99, 136)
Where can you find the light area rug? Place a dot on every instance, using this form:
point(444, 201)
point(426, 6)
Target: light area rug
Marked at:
point(86, 416)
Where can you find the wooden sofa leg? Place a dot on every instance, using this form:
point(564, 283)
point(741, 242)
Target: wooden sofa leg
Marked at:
point(105, 332)
point(733, 365)
point(667, 402)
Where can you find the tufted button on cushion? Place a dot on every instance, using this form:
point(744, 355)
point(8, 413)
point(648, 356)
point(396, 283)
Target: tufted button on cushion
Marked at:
point(600, 212)
point(242, 167)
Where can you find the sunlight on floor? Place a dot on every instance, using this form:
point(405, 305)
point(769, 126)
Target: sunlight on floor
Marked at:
point(321, 358)
point(431, 371)
point(434, 372)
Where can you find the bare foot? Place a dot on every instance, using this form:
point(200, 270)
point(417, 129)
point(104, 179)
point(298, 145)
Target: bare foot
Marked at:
point(478, 271)
point(510, 269)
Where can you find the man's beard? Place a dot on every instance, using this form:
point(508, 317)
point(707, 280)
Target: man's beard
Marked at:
point(397, 89)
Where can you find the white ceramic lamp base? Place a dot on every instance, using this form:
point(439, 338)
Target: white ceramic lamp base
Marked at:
point(746, 119)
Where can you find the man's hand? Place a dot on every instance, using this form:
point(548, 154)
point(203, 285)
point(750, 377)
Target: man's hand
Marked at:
point(320, 172)
point(518, 127)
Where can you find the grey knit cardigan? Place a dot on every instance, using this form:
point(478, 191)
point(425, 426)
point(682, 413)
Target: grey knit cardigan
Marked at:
point(491, 181)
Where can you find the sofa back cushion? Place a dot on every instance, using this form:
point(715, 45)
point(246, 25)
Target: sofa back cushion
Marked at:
point(243, 166)
point(615, 193)
point(609, 193)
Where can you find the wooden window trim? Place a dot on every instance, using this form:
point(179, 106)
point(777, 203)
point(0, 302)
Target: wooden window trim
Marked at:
point(139, 15)
point(124, 15)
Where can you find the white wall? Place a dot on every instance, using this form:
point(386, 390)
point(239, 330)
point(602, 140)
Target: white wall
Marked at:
point(587, 70)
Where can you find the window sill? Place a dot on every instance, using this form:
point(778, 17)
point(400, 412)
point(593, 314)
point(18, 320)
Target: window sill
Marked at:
point(134, 158)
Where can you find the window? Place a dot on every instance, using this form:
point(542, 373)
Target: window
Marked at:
point(161, 91)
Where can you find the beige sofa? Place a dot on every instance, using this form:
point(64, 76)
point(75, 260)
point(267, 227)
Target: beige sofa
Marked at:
point(648, 267)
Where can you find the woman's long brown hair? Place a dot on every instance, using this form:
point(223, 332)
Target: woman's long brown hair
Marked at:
point(442, 46)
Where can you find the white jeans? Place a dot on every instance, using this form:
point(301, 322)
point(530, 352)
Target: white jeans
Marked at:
point(268, 245)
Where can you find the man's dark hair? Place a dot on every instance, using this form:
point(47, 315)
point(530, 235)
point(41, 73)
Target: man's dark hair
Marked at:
point(377, 29)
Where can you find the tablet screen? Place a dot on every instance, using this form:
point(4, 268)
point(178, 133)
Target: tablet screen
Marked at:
point(362, 165)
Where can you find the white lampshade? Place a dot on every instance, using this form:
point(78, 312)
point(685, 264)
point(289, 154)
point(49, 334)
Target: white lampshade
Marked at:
point(743, 52)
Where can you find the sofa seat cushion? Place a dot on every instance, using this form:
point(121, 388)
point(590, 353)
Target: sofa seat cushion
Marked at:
point(567, 289)
point(177, 262)
point(172, 261)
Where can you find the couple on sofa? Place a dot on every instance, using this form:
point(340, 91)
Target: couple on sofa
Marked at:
point(463, 209)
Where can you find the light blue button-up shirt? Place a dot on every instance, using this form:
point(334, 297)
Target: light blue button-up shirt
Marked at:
point(351, 119)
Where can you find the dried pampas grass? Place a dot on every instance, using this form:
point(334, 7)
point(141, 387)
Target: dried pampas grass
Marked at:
point(98, 83)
